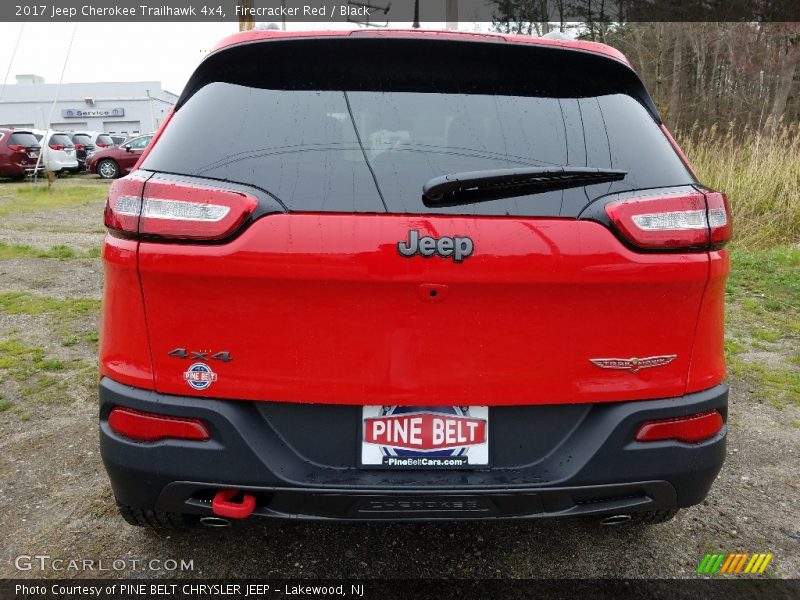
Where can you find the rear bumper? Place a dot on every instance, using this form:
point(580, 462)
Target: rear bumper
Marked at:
point(300, 461)
point(20, 169)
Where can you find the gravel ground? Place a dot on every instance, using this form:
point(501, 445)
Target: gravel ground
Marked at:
point(56, 499)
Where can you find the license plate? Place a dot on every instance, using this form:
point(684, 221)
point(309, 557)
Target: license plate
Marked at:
point(33, 154)
point(424, 437)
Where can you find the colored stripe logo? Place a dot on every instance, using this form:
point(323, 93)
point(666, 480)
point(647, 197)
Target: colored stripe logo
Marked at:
point(737, 563)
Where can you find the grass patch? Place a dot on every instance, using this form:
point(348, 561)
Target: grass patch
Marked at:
point(29, 377)
point(763, 322)
point(26, 198)
point(8, 251)
point(31, 304)
point(778, 386)
point(44, 389)
point(14, 354)
point(22, 362)
point(760, 173)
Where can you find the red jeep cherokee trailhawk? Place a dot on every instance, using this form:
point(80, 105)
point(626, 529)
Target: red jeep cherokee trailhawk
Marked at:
point(413, 275)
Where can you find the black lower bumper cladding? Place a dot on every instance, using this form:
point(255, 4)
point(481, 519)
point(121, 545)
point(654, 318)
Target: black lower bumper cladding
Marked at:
point(301, 461)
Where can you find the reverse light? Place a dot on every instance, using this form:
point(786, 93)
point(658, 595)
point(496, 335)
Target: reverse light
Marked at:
point(150, 427)
point(176, 211)
point(690, 429)
point(678, 222)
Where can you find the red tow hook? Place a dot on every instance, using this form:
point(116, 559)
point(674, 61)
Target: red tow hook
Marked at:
point(223, 507)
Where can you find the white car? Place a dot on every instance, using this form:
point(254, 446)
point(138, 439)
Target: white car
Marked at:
point(58, 151)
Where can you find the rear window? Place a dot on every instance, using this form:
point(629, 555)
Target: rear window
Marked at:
point(82, 138)
point(104, 139)
point(358, 150)
point(23, 139)
point(60, 139)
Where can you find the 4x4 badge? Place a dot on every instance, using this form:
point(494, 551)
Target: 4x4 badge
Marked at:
point(633, 364)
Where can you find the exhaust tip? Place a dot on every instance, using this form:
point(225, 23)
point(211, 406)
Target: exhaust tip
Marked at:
point(215, 522)
point(616, 520)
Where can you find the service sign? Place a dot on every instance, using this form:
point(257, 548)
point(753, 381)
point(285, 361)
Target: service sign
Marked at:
point(76, 113)
point(425, 437)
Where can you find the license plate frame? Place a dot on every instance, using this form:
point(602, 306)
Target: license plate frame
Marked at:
point(467, 424)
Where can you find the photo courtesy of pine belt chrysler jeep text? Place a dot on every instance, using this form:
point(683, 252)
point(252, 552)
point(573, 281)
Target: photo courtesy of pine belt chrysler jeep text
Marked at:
point(444, 276)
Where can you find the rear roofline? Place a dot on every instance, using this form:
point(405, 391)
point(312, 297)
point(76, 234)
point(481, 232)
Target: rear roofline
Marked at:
point(606, 54)
point(265, 35)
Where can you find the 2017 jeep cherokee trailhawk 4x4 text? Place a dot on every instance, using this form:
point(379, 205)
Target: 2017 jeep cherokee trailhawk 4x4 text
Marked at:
point(414, 275)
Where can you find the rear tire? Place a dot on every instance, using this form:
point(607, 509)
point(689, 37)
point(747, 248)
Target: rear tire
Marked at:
point(156, 520)
point(108, 169)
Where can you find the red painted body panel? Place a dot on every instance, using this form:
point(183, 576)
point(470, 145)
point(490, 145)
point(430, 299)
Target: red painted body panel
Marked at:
point(322, 308)
point(124, 349)
point(708, 359)
point(261, 35)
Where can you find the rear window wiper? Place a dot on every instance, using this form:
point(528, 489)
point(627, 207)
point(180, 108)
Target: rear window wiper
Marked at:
point(478, 186)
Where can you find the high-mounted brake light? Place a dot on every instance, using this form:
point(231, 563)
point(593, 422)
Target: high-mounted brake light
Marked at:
point(690, 429)
point(150, 427)
point(176, 210)
point(676, 222)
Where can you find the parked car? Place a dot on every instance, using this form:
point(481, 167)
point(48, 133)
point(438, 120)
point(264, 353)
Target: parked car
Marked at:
point(88, 142)
point(443, 285)
point(19, 151)
point(118, 139)
point(58, 151)
point(117, 161)
point(84, 146)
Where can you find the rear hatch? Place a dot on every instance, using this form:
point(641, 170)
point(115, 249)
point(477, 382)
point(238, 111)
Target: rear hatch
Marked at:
point(25, 146)
point(331, 279)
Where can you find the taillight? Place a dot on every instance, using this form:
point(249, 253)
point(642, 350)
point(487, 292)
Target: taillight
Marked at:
point(150, 427)
point(79, 146)
point(690, 429)
point(56, 146)
point(676, 222)
point(99, 145)
point(123, 206)
point(16, 148)
point(719, 219)
point(176, 211)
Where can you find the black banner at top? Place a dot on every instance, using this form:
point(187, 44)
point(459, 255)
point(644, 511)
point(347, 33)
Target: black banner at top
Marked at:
point(381, 13)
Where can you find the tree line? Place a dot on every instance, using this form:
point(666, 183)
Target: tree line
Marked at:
point(734, 76)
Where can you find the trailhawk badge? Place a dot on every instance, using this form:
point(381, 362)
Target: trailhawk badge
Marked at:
point(633, 364)
point(200, 376)
point(425, 436)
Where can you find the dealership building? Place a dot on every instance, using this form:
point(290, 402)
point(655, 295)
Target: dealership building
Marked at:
point(125, 108)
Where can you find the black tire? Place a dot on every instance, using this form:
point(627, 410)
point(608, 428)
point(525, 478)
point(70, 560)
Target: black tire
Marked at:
point(108, 169)
point(156, 520)
point(653, 517)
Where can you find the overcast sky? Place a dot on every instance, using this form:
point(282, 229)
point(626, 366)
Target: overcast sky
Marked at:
point(165, 52)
